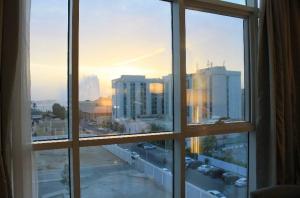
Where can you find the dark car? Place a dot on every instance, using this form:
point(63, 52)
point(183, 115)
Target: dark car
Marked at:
point(229, 178)
point(195, 164)
point(140, 144)
point(216, 172)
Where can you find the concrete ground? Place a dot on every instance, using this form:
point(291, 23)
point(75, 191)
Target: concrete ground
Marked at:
point(103, 175)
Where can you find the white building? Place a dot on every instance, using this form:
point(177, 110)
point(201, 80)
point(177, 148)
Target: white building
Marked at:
point(212, 93)
point(138, 97)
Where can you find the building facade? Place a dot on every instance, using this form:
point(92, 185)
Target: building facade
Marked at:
point(138, 97)
point(212, 93)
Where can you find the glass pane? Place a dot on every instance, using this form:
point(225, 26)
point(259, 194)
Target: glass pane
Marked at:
point(241, 2)
point(125, 67)
point(49, 68)
point(217, 165)
point(215, 68)
point(128, 170)
point(52, 173)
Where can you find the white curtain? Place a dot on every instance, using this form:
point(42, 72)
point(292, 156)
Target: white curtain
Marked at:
point(20, 121)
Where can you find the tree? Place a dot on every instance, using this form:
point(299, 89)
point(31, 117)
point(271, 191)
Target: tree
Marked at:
point(227, 156)
point(118, 127)
point(209, 144)
point(59, 111)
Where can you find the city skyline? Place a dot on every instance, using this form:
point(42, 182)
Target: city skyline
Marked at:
point(83, 93)
point(135, 48)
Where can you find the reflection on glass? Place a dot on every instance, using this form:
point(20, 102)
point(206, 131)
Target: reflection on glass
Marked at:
point(217, 165)
point(215, 68)
point(241, 2)
point(131, 170)
point(48, 66)
point(52, 173)
point(125, 67)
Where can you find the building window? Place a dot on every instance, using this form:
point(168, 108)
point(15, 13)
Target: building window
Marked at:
point(143, 98)
point(123, 108)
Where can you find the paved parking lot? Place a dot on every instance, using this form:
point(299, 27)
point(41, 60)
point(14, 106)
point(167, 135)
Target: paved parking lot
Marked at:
point(103, 175)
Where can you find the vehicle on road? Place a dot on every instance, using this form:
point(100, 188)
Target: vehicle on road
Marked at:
point(204, 168)
point(147, 146)
point(92, 123)
point(188, 161)
point(195, 164)
point(134, 155)
point(241, 182)
point(216, 193)
point(166, 170)
point(229, 178)
point(216, 172)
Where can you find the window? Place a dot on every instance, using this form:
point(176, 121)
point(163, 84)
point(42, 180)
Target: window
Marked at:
point(52, 173)
point(217, 163)
point(215, 67)
point(142, 98)
point(49, 69)
point(140, 169)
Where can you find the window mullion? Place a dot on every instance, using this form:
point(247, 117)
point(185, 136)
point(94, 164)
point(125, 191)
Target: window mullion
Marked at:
point(73, 97)
point(178, 25)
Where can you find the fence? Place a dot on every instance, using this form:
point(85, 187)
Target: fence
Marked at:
point(162, 177)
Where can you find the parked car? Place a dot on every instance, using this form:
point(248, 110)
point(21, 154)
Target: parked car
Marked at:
point(204, 168)
point(92, 123)
point(134, 155)
point(166, 170)
point(216, 193)
point(216, 172)
point(195, 164)
point(241, 182)
point(188, 161)
point(229, 178)
point(147, 146)
point(140, 144)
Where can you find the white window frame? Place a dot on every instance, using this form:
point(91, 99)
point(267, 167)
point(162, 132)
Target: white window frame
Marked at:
point(181, 129)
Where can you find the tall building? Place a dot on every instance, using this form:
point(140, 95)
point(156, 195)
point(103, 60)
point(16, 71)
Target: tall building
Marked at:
point(212, 93)
point(138, 97)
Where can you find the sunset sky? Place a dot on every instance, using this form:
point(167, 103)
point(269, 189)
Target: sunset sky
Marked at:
point(119, 37)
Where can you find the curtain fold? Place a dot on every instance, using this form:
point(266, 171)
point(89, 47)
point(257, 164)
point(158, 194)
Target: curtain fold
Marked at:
point(278, 82)
point(9, 46)
point(15, 131)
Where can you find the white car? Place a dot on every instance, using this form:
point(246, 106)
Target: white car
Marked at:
point(166, 170)
point(216, 193)
point(134, 155)
point(241, 182)
point(149, 146)
point(204, 168)
point(188, 160)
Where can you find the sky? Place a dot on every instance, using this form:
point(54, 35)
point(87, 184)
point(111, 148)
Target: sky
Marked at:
point(119, 37)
